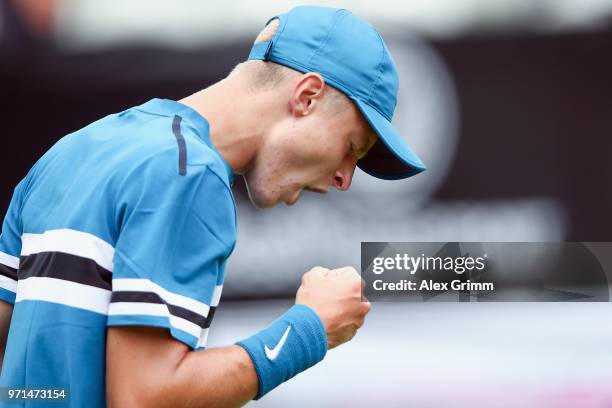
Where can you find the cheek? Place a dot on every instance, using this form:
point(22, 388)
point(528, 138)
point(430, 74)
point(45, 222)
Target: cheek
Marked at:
point(320, 149)
point(298, 155)
point(261, 192)
point(268, 176)
point(329, 154)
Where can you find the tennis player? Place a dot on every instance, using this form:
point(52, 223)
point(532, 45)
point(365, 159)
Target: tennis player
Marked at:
point(113, 250)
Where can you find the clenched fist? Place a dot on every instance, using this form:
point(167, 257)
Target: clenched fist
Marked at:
point(335, 294)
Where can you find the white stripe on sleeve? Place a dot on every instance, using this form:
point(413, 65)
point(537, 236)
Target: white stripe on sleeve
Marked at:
point(216, 298)
point(64, 292)
point(8, 283)
point(9, 260)
point(71, 242)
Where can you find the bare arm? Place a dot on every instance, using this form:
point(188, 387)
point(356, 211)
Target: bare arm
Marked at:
point(148, 368)
point(6, 311)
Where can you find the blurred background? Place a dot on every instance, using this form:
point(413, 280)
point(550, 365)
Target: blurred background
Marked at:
point(508, 102)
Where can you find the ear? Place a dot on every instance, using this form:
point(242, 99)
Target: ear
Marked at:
point(307, 93)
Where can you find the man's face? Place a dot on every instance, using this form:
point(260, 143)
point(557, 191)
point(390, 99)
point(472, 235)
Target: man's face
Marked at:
point(310, 153)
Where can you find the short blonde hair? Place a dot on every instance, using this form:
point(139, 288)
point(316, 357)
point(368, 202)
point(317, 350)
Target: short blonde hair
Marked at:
point(268, 32)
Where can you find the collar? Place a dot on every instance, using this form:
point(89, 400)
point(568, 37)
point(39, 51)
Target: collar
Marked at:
point(168, 107)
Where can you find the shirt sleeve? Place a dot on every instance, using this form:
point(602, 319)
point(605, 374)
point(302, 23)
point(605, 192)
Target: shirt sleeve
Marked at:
point(10, 247)
point(176, 233)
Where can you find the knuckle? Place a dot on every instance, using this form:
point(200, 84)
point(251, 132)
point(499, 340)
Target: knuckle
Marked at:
point(312, 272)
point(350, 269)
point(346, 271)
point(319, 270)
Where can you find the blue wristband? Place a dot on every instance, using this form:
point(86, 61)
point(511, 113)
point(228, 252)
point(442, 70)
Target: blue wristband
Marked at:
point(291, 344)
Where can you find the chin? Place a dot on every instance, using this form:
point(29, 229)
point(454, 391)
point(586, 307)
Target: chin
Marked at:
point(262, 204)
point(259, 200)
point(259, 196)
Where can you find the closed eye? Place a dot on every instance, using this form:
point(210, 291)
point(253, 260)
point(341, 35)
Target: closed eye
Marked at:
point(316, 190)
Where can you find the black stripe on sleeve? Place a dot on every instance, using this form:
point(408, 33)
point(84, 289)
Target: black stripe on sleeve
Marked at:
point(176, 129)
point(64, 266)
point(211, 314)
point(8, 272)
point(150, 297)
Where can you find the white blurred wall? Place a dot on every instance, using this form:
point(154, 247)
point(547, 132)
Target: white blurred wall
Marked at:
point(86, 24)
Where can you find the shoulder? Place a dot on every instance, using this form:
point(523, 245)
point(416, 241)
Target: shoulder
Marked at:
point(168, 143)
point(172, 170)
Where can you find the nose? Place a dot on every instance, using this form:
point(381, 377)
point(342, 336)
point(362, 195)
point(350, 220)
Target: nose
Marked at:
point(344, 175)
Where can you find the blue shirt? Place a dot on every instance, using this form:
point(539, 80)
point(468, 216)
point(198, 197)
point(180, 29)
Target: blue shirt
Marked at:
point(126, 222)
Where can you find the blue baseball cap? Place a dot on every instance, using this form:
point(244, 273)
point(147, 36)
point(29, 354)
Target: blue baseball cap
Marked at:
point(353, 58)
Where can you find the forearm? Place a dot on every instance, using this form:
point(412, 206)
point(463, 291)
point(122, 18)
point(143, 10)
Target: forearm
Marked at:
point(222, 377)
point(147, 368)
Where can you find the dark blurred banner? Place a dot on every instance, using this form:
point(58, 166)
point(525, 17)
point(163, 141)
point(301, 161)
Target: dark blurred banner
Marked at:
point(534, 112)
point(486, 272)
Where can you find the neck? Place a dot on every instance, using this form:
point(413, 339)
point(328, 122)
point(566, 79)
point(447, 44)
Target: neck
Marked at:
point(236, 126)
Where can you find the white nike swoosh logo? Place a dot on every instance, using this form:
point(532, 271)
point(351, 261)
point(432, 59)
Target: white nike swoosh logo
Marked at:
point(273, 353)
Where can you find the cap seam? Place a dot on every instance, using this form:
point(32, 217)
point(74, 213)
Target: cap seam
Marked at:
point(327, 36)
point(376, 109)
point(379, 70)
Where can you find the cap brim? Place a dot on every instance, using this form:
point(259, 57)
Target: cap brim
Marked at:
point(390, 158)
